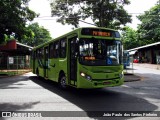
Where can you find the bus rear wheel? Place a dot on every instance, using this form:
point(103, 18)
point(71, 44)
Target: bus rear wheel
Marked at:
point(62, 82)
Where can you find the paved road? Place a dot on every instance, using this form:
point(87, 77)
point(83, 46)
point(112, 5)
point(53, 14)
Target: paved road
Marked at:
point(29, 93)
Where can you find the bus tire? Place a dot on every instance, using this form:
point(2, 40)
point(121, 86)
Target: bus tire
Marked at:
point(62, 82)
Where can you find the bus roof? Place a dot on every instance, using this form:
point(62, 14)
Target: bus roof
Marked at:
point(71, 32)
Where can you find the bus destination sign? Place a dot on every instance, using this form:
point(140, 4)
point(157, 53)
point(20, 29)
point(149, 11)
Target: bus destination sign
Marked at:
point(98, 33)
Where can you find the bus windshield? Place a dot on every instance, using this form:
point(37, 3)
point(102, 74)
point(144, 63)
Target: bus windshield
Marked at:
point(100, 52)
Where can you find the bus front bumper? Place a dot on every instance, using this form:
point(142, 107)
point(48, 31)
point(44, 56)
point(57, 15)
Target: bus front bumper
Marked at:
point(99, 83)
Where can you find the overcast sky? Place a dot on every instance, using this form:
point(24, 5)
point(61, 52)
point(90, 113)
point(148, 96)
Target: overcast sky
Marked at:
point(56, 29)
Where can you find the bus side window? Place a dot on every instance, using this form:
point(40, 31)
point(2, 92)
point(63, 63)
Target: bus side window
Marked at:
point(56, 49)
point(41, 53)
point(51, 50)
point(63, 48)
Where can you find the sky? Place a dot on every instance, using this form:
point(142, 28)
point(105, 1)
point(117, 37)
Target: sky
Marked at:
point(56, 29)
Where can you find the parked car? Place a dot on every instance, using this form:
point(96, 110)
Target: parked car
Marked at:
point(135, 61)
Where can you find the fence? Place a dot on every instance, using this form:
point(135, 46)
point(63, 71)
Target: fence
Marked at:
point(12, 65)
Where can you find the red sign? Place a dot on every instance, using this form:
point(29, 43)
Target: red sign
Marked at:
point(11, 45)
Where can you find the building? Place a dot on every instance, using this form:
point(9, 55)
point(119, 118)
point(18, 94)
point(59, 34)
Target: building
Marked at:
point(147, 54)
point(14, 55)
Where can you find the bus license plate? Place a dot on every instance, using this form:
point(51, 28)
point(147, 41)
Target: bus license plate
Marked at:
point(106, 83)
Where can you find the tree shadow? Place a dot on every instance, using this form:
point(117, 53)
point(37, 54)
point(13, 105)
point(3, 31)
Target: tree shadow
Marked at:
point(107, 99)
point(14, 107)
point(4, 107)
point(5, 83)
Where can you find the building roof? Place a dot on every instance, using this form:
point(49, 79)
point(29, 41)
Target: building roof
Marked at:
point(145, 46)
point(15, 48)
point(24, 45)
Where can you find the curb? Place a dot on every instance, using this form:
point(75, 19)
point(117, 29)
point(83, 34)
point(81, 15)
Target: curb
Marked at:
point(9, 76)
point(131, 77)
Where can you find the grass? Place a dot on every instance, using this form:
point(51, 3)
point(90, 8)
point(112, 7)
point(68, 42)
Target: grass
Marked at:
point(13, 72)
point(10, 73)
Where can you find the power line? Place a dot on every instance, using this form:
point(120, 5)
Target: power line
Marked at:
point(43, 18)
point(87, 22)
point(53, 17)
point(135, 13)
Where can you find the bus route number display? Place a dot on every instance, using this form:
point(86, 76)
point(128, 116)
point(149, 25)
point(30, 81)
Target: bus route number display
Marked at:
point(98, 33)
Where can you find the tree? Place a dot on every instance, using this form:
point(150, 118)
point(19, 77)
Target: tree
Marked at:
point(149, 29)
point(13, 17)
point(3, 38)
point(38, 35)
point(104, 13)
point(129, 38)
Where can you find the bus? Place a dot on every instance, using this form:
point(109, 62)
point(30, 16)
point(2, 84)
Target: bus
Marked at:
point(82, 58)
point(126, 59)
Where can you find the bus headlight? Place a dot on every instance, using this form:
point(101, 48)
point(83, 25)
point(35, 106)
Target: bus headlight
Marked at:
point(121, 75)
point(88, 77)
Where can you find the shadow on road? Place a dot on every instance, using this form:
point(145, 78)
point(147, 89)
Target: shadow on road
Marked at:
point(4, 107)
point(98, 99)
point(6, 83)
point(14, 107)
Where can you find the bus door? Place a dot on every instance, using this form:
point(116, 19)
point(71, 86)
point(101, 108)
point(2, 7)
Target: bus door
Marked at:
point(54, 61)
point(72, 61)
point(46, 61)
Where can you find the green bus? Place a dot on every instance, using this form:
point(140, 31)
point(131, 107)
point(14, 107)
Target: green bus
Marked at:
point(88, 57)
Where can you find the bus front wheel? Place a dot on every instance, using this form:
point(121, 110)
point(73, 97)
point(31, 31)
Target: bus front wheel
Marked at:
point(62, 82)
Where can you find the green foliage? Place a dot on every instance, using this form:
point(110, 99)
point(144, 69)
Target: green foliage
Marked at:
point(37, 35)
point(104, 13)
point(149, 29)
point(129, 38)
point(13, 17)
point(3, 38)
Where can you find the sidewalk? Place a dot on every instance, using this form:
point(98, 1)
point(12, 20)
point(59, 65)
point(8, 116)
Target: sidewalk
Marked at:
point(131, 77)
point(146, 65)
point(11, 73)
point(129, 74)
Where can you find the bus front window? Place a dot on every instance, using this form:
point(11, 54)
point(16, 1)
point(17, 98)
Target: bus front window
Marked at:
point(100, 52)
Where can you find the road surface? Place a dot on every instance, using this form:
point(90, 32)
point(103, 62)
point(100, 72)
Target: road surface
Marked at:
point(29, 93)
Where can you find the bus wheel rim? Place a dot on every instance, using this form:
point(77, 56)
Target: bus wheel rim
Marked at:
point(63, 82)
